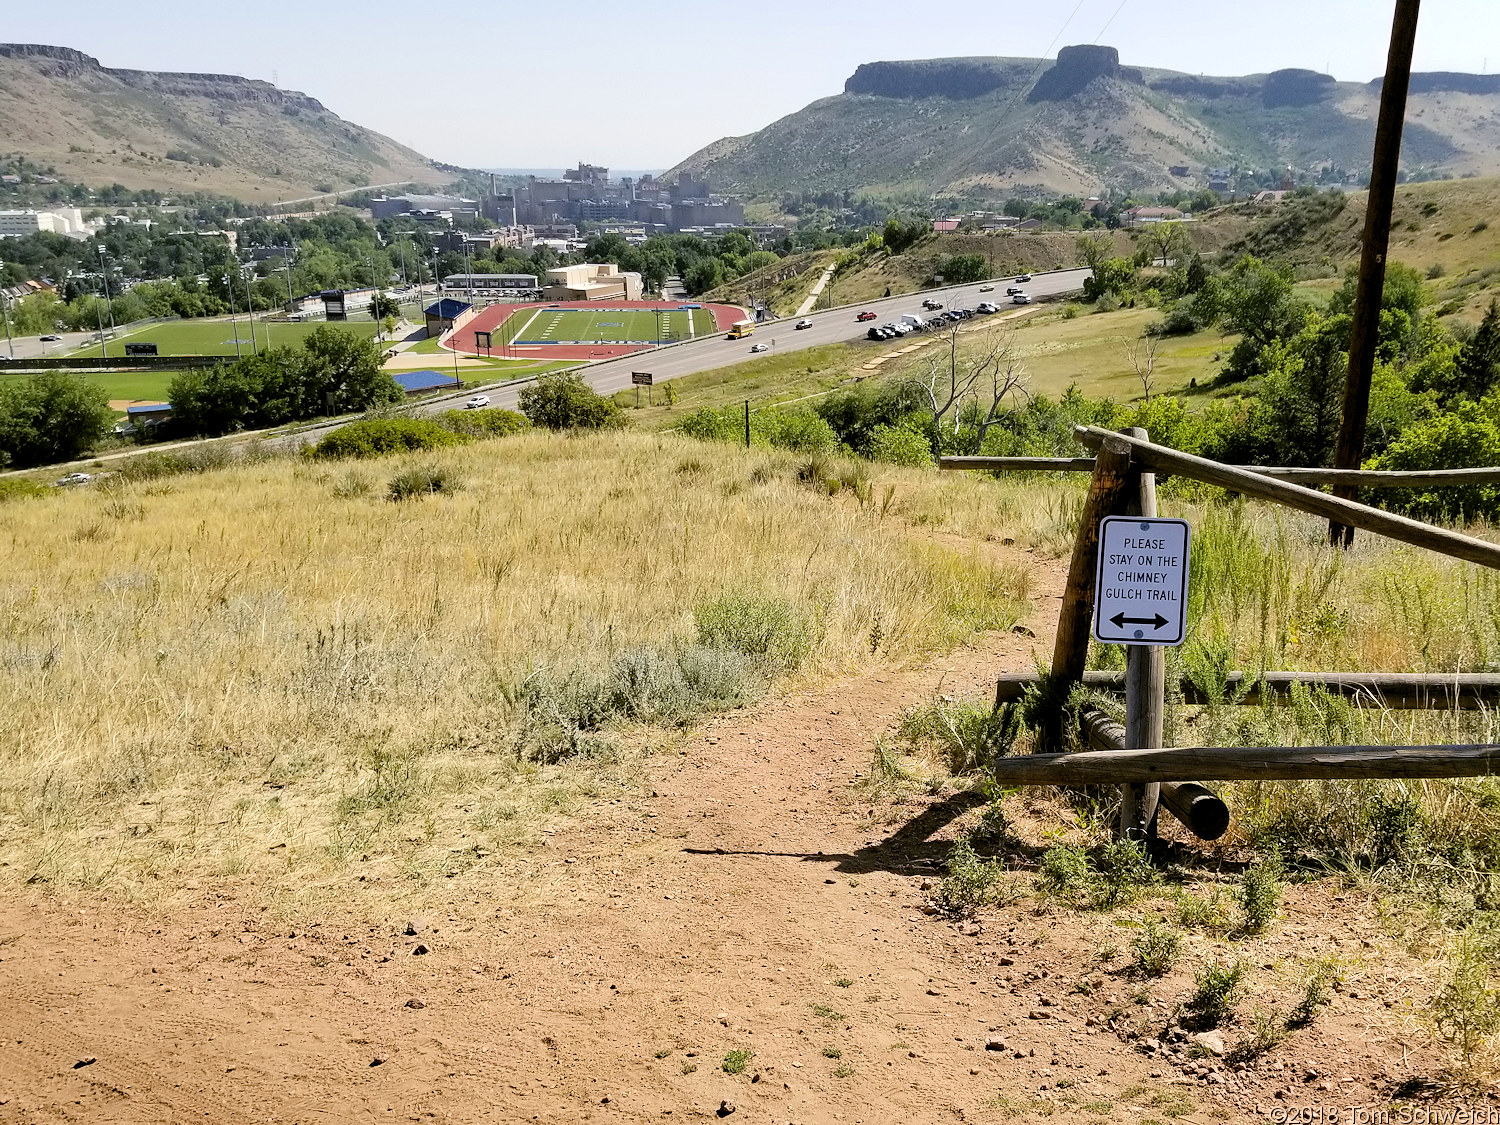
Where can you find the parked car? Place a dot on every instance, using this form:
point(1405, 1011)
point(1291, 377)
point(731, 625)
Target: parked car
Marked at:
point(986, 288)
point(931, 304)
point(75, 478)
point(864, 316)
point(1021, 299)
point(986, 307)
point(954, 314)
point(478, 402)
point(875, 334)
point(803, 323)
point(937, 322)
point(759, 348)
point(50, 338)
point(887, 331)
point(1023, 277)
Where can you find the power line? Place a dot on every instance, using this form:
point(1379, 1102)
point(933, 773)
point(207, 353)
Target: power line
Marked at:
point(1111, 20)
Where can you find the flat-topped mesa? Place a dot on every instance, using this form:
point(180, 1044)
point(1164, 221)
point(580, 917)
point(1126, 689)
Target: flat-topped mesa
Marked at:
point(1076, 67)
point(65, 62)
point(957, 79)
point(1295, 87)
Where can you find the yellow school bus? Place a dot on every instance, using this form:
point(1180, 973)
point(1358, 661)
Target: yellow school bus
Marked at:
point(740, 329)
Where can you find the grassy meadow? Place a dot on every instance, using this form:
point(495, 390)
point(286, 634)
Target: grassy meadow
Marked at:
point(217, 335)
point(273, 671)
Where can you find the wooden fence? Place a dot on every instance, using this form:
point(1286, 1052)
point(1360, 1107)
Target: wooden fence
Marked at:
point(1122, 482)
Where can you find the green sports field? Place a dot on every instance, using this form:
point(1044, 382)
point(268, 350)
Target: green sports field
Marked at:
point(606, 326)
point(217, 337)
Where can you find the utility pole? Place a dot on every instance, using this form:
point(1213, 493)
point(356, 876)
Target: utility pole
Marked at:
point(1366, 328)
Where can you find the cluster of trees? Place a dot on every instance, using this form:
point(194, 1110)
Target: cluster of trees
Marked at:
point(54, 416)
point(702, 263)
point(332, 372)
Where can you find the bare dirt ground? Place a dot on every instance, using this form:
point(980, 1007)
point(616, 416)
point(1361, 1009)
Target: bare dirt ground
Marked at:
point(743, 900)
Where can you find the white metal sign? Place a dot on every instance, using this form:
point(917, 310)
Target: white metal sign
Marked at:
point(1140, 597)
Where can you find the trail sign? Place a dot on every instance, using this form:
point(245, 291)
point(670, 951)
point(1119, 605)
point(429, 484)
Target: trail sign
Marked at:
point(641, 378)
point(1140, 596)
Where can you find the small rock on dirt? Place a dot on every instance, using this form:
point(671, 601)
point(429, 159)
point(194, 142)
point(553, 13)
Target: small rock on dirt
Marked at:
point(88, 1061)
point(415, 926)
point(1210, 1041)
point(726, 1108)
point(415, 1004)
point(994, 1044)
point(420, 951)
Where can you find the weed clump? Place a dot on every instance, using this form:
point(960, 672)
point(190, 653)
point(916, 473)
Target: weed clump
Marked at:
point(736, 1061)
point(419, 481)
point(1260, 892)
point(1466, 1010)
point(1316, 993)
point(967, 734)
point(971, 881)
point(1156, 949)
point(19, 488)
point(769, 630)
point(491, 422)
point(1216, 990)
point(1072, 875)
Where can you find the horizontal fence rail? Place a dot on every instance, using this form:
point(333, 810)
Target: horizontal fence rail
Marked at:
point(1252, 763)
point(1395, 691)
point(1200, 810)
point(1161, 459)
point(1363, 478)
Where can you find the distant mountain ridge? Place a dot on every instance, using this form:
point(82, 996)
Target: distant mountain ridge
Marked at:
point(1084, 123)
point(186, 131)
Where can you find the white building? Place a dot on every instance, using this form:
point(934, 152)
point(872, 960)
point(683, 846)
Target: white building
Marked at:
point(65, 220)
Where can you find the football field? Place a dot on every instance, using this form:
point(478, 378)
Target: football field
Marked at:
point(605, 326)
point(217, 337)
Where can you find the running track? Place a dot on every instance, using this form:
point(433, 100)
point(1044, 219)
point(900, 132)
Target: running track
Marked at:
point(490, 319)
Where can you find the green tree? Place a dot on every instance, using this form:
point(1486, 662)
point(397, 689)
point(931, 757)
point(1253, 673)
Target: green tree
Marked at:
point(1092, 248)
point(1197, 274)
point(344, 371)
point(1478, 365)
point(1112, 275)
point(54, 416)
point(561, 400)
point(963, 269)
point(383, 305)
point(1295, 419)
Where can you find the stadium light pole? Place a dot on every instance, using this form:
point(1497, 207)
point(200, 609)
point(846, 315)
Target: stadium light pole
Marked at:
point(233, 320)
point(9, 343)
point(249, 307)
point(104, 277)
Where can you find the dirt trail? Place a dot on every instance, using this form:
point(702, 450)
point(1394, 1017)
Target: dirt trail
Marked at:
point(737, 902)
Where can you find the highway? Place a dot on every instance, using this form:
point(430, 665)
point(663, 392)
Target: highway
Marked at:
point(836, 326)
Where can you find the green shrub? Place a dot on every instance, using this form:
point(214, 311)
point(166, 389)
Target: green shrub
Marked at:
point(1260, 892)
point(736, 1061)
point(971, 881)
point(488, 423)
point(414, 483)
point(802, 431)
point(381, 437)
point(1066, 872)
point(1156, 948)
point(561, 400)
point(1216, 990)
point(900, 446)
point(968, 734)
point(1315, 993)
point(1466, 1010)
point(767, 629)
point(18, 488)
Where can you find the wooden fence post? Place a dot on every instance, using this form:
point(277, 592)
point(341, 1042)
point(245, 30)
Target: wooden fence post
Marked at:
point(1145, 684)
point(1070, 652)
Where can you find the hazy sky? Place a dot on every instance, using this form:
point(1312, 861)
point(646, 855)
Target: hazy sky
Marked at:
point(694, 72)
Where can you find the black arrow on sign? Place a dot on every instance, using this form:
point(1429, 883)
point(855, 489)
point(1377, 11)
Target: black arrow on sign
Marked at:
point(1119, 620)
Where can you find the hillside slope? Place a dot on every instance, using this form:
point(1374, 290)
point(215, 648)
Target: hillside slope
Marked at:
point(982, 127)
point(201, 132)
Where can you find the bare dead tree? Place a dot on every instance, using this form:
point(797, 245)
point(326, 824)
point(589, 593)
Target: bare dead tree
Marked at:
point(990, 374)
point(1141, 354)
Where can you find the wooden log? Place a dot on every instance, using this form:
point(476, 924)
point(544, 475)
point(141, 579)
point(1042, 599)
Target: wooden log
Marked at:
point(1145, 681)
point(1020, 464)
point(1344, 512)
point(1249, 763)
point(1395, 691)
point(1363, 478)
point(1199, 809)
point(1071, 649)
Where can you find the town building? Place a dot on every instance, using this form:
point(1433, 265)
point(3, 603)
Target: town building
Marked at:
point(592, 282)
point(64, 220)
point(494, 286)
point(428, 208)
point(446, 315)
point(416, 383)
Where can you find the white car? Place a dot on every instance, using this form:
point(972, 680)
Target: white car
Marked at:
point(759, 348)
point(1021, 299)
point(804, 323)
point(75, 478)
point(478, 402)
point(986, 288)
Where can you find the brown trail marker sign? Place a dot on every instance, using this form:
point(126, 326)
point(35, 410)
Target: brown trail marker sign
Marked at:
point(641, 379)
point(1141, 589)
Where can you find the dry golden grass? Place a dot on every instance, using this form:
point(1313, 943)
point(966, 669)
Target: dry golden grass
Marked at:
point(272, 673)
